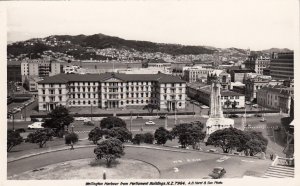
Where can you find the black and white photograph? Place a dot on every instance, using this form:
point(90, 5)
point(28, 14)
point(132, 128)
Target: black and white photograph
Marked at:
point(201, 92)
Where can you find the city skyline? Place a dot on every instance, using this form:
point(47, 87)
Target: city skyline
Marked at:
point(221, 24)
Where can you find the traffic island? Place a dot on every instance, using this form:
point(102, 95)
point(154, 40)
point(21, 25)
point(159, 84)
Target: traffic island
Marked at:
point(89, 169)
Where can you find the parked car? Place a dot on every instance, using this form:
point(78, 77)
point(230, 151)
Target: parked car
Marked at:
point(80, 118)
point(150, 122)
point(217, 173)
point(212, 150)
point(233, 116)
point(258, 115)
point(204, 107)
point(36, 125)
point(248, 103)
point(262, 120)
point(255, 105)
point(162, 117)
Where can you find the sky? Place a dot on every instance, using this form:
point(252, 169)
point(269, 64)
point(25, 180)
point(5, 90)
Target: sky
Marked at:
point(253, 24)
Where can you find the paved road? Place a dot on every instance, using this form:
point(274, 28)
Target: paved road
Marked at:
point(189, 164)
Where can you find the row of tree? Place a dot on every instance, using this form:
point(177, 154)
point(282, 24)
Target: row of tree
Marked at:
point(249, 142)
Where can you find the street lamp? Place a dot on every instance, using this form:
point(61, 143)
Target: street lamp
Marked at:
point(72, 127)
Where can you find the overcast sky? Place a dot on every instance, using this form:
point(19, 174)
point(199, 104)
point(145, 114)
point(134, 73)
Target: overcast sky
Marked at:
point(253, 24)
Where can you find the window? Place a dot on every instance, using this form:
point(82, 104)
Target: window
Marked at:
point(74, 102)
point(121, 102)
point(59, 85)
point(78, 95)
point(94, 102)
point(89, 102)
point(132, 101)
point(78, 102)
point(44, 99)
point(142, 94)
point(179, 104)
point(142, 101)
point(44, 105)
point(137, 101)
point(127, 102)
point(84, 102)
point(59, 91)
point(60, 98)
point(237, 97)
point(147, 101)
point(83, 95)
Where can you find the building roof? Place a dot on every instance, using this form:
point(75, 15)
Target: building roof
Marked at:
point(13, 63)
point(207, 89)
point(64, 78)
point(243, 71)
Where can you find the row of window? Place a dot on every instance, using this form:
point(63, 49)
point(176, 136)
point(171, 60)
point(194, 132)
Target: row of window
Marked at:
point(231, 97)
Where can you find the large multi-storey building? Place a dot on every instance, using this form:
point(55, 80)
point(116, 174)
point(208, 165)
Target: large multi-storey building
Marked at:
point(39, 68)
point(282, 66)
point(112, 90)
point(275, 97)
point(14, 71)
point(258, 64)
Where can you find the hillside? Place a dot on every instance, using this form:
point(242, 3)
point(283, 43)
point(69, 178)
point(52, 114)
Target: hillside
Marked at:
point(99, 41)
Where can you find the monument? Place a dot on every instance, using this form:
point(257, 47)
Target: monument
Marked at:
point(216, 120)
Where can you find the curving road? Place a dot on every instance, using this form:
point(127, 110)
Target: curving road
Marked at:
point(189, 164)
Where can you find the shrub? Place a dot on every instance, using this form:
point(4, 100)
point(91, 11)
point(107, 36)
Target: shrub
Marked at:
point(13, 139)
point(148, 138)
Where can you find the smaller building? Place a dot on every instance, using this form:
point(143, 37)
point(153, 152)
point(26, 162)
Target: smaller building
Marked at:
point(202, 92)
point(238, 75)
point(276, 97)
point(224, 79)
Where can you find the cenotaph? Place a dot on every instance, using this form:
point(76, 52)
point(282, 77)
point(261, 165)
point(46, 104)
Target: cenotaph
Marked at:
point(216, 120)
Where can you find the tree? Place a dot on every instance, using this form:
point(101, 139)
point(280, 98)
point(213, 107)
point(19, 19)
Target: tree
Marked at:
point(138, 139)
point(257, 143)
point(95, 134)
point(188, 134)
point(122, 134)
point(228, 139)
point(110, 150)
point(110, 122)
point(161, 135)
point(13, 139)
point(58, 119)
point(40, 136)
point(148, 138)
point(71, 139)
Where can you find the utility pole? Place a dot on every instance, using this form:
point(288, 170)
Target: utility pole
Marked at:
point(130, 120)
point(25, 112)
point(175, 113)
point(13, 122)
point(91, 112)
